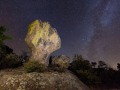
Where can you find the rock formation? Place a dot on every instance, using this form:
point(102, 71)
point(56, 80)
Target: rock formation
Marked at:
point(42, 40)
point(13, 80)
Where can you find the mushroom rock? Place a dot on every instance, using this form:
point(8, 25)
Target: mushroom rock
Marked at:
point(42, 40)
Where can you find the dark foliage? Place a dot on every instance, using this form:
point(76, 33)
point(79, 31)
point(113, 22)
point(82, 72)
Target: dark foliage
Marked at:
point(8, 59)
point(92, 73)
point(83, 69)
point(3, 37)
point(33, 66)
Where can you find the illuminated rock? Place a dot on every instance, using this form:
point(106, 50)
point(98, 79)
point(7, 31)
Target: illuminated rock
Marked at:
point(61, 61)
point(42, 40)
point(19, 80)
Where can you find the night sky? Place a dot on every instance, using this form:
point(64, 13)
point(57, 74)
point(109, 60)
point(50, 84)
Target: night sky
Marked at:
point(87, 27)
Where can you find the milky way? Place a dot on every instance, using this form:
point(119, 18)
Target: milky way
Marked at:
point(87, 27)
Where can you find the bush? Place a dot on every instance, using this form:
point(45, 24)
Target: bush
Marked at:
point(10, 61)
point(88, 77)
point(33, 66)
point(80, 65)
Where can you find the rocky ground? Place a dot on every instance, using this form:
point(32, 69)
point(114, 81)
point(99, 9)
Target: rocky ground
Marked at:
point(18, 79)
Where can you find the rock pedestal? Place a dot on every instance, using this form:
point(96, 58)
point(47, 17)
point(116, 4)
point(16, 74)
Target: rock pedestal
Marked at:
point(42, 40)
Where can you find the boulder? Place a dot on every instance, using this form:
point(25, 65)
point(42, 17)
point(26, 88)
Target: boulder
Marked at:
point(42, 40)
point(61, 61)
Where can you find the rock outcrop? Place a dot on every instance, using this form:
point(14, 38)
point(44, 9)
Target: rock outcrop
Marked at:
point(42, 40)
point(40, 81)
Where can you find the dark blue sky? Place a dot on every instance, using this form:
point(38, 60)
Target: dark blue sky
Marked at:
point(87, 27)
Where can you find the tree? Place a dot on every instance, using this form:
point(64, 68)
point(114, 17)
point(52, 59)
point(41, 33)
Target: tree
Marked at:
point(93, 64)
point(79, 63)
point(83, 69)
point(78, 57)
point(102, 65)
point(3, 37)
point(118, 66)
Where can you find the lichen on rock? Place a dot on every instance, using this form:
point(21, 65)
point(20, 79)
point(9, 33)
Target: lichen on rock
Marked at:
point(42, 40)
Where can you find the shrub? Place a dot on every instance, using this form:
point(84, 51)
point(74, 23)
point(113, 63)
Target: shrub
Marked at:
point(88, 77)
point(10, 61)
point(33, 66)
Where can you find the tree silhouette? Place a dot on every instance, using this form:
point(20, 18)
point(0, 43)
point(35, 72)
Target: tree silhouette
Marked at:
point(3, 37)
point(102, 65)
point(118, 66)
point(93, 64)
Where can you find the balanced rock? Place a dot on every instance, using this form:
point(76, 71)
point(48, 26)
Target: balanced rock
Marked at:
point(42, 40)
